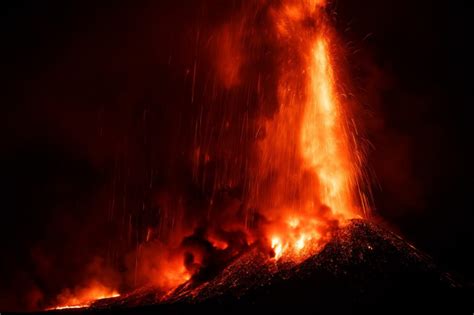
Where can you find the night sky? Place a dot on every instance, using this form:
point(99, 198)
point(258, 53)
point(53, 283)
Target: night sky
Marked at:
point(96, 95)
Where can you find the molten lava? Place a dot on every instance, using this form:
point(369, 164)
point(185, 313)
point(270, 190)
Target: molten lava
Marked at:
point(323, 139)
point(84, 297)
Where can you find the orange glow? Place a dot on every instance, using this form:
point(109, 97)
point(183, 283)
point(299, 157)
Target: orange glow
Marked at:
point(218, 243)
point(173, 275)
point(161, 266)
point(277, 247)
point(296, 240)
point(69, 307)
point(84, 297)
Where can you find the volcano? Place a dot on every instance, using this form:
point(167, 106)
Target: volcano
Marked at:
point(243, 179)
point(362, 264)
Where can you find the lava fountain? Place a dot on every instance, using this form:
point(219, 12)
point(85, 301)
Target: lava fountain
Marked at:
point(301, 174)
point(310, 154)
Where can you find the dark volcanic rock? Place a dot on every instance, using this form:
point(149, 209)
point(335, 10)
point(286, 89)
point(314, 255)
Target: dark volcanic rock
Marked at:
point(362, 264)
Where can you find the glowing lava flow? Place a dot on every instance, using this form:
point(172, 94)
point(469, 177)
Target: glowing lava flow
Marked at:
point(85, 297)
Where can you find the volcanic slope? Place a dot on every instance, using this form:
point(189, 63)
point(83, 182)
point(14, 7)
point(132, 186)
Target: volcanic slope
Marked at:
point(362, 264)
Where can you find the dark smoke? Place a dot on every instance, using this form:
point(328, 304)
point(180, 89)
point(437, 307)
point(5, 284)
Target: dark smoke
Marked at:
point(203, 259)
